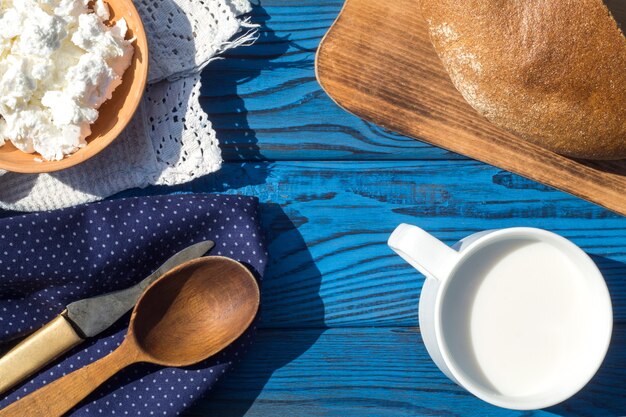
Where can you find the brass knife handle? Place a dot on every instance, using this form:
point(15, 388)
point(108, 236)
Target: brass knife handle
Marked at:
point(36, 351)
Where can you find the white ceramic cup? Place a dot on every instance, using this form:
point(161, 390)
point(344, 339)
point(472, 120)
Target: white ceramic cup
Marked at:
point(519, 317)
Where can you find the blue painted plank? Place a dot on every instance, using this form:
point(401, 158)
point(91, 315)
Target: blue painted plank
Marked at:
point(265, 102)
point(377, 372)
point(327, 223)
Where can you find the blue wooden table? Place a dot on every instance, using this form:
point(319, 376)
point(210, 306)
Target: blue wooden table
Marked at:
point(338, 334)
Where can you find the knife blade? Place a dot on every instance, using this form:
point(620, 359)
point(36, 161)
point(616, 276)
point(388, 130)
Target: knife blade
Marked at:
point(80, 320)
point(93, 315)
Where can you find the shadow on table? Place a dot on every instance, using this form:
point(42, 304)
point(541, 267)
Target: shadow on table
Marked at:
point(225, 105)
point(605, 395)
point(618, 10)
point(221, 99)
point(292, 281)
point(291, 273)
point(290, 288)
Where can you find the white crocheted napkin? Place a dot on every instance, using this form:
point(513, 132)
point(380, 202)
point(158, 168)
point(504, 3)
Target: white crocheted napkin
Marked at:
point(170, 140)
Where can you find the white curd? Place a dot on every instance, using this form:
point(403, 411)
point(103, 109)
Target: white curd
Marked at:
point(58, 63)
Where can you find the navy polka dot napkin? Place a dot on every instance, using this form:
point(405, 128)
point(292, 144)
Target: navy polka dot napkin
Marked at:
point(50, 259)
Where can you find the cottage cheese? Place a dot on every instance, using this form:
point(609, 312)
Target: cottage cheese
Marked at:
point(58, 63)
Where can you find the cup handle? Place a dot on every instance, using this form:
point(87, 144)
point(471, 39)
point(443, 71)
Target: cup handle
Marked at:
point(423, 251)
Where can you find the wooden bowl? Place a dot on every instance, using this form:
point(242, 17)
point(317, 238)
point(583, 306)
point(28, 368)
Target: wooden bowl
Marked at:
point(114, 113)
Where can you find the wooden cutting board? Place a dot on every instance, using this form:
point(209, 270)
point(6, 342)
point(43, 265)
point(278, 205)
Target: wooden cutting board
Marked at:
point(377, 62)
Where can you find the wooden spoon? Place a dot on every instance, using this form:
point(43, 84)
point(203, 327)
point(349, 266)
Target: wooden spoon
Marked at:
point(191, 313)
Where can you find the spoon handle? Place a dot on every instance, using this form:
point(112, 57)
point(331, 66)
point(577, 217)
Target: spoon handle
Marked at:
point(58, 397)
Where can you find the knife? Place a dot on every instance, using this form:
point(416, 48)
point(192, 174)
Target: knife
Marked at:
point(80, 320)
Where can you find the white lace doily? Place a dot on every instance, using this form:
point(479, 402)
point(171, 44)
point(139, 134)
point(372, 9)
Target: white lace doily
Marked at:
point(170, 140)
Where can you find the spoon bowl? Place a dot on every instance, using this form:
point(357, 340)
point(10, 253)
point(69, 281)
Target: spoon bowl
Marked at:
point(209, 304)
point(189, 314)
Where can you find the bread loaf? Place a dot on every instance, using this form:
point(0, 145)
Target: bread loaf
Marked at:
point(551, 71)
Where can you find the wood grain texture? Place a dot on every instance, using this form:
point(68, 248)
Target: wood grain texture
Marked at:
point(377, 372)
point(58, 397)
point(377, 69)
point(327, 222)
point(265, 103)
point(189, 314)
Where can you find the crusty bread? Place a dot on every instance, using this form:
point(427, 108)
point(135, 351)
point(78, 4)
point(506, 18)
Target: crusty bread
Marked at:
point(551, 71)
